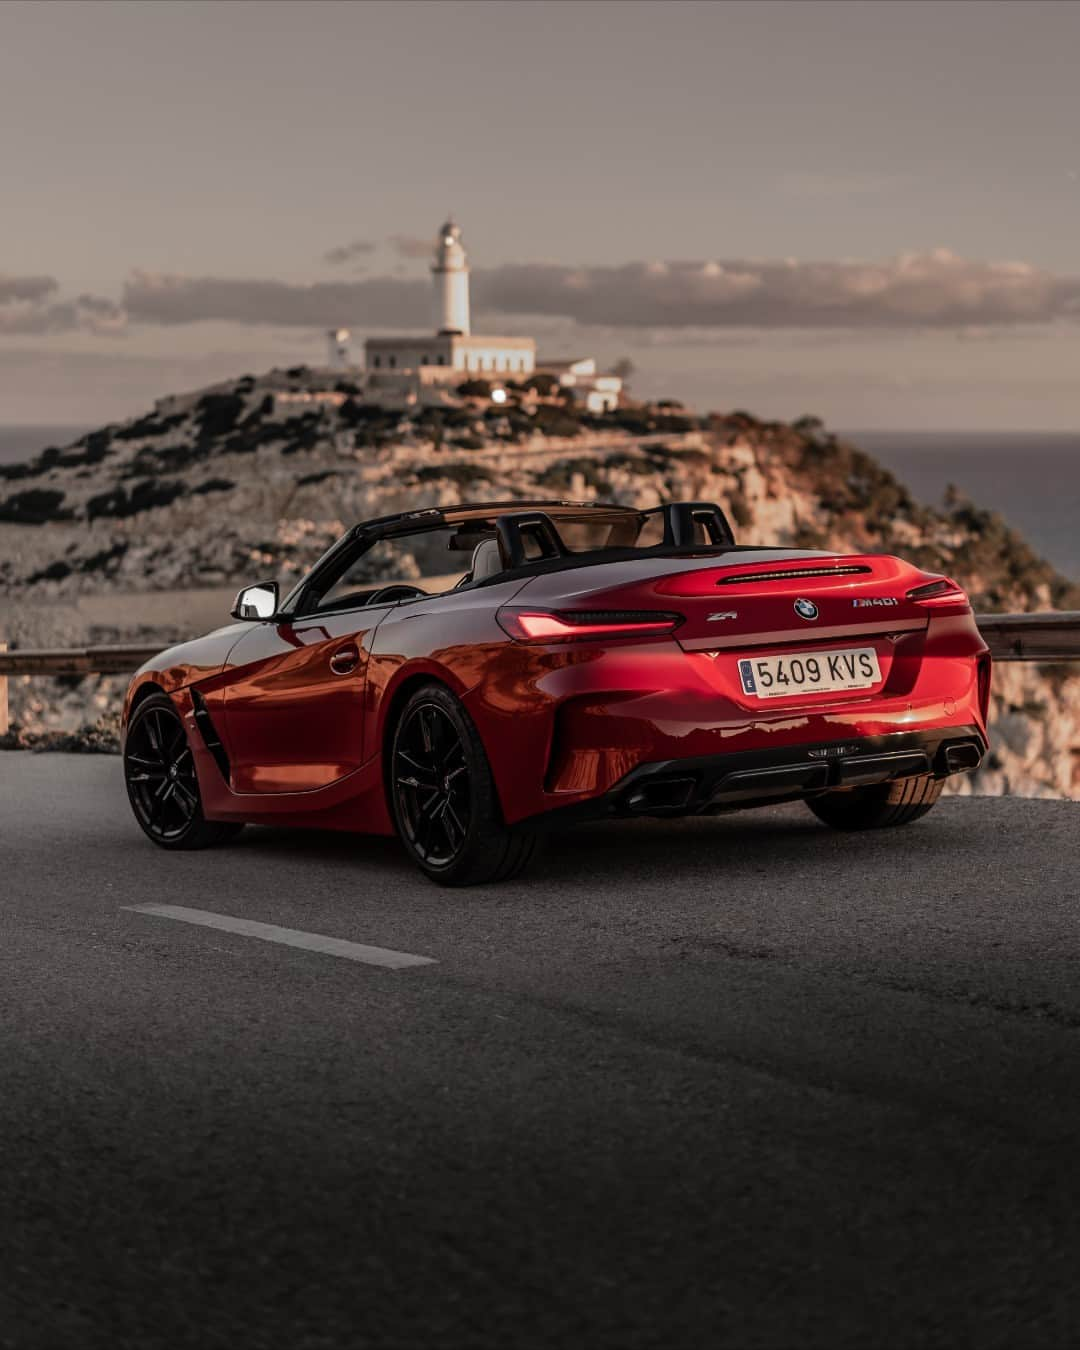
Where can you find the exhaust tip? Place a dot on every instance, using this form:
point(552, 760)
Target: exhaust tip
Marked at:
point(668, 794)
point(963, 757)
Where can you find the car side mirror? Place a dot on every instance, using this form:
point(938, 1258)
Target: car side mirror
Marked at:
point(257, 602)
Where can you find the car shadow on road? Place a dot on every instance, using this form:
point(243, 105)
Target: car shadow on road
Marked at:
point(644, 850)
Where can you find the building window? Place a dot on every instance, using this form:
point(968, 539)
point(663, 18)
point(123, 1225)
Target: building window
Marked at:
point(377, 362)
point(442, 360)
point(391, 361)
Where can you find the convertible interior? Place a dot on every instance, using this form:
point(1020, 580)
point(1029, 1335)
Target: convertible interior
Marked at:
point(415, 558)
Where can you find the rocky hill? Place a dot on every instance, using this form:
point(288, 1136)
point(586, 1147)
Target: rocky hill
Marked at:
point(254, 478)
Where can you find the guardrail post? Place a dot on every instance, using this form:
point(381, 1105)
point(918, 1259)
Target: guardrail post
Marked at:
point(5, 724)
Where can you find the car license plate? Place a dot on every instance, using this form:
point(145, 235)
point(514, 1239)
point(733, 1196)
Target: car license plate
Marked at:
point(821, 672)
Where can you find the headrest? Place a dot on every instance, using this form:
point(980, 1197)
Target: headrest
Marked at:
point(486, 560)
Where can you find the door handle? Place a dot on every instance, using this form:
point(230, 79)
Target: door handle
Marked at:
point(345, 659)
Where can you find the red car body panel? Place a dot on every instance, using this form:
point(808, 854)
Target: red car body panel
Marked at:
point(303, 707)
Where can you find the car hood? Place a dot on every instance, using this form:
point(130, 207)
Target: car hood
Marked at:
point(197, 659)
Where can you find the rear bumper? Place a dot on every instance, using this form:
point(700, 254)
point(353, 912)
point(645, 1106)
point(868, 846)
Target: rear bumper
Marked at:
point(715, 783)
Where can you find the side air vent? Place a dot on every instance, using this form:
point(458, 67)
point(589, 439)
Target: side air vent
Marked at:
point(209, 734)
point(793, 572)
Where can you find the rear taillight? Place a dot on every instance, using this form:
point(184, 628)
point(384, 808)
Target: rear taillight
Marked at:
point(568, 625)
point(942, 592)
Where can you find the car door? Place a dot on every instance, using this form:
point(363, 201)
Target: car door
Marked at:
point(294, 700)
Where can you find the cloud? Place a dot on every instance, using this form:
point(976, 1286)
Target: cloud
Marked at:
point(160, 298)
point(29, 307)
point(348, 252)
point(913, 290)
point(933, 290)
point(411, 245)
point(27, 289)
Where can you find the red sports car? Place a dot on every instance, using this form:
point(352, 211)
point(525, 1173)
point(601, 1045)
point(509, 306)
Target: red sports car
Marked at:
point(471, 677)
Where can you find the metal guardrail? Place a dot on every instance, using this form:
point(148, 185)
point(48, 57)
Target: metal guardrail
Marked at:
point(1032, 637)
point(117, 660)
point(1049, 637)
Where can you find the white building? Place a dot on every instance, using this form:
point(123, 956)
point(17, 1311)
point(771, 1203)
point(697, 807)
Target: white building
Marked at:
point(453, 352)
point(597, 391)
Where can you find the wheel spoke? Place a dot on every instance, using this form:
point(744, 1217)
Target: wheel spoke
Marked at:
point(451, 814)
point(149, 776)
point(421, 776)
point(183, 794)
point(455, 754)
point(153, 735)
point(451, 826)
point(425, 731)
point(422, 834)
point(158, 802)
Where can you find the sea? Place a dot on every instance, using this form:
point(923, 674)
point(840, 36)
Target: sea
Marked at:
point(1032, 479)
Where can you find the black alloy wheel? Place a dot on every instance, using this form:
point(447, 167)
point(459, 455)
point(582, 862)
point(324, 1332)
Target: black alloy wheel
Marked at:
point(431, 781)
point(159, 771)
point(443, 796)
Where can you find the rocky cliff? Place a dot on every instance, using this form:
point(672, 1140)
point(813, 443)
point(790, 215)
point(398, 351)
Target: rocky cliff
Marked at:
point(255, 478)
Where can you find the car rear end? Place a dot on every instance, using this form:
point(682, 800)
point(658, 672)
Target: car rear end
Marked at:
point(688, 684)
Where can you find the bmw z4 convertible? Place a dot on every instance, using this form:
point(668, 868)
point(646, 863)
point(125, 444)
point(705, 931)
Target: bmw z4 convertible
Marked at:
point(475, 676)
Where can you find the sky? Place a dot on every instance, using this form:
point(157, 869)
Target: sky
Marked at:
point(865, 211)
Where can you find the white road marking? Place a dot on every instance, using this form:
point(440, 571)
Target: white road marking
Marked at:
point(289, 937)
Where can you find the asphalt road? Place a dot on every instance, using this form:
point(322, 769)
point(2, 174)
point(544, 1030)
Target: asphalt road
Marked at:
point(736, 1082)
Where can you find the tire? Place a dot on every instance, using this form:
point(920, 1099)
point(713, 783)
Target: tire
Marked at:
point(879, 807)
point(162, 787)
point(443, 799)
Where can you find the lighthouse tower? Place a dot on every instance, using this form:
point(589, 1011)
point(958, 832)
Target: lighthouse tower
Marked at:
point(450, 272)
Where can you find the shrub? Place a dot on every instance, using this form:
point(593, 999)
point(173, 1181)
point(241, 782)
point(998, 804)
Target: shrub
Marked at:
point(638, 465)
point(460, 472)
point(101, 562)
point(56, 571)
point(559, 475)
point(218, 414)
point(35, 506)
point(353, 413)
point(553, 421)
point(150, 425)
point(812, 427)
point(145, 495)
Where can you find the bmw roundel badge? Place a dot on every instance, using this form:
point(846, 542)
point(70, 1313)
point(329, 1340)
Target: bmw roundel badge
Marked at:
point(806, 609)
